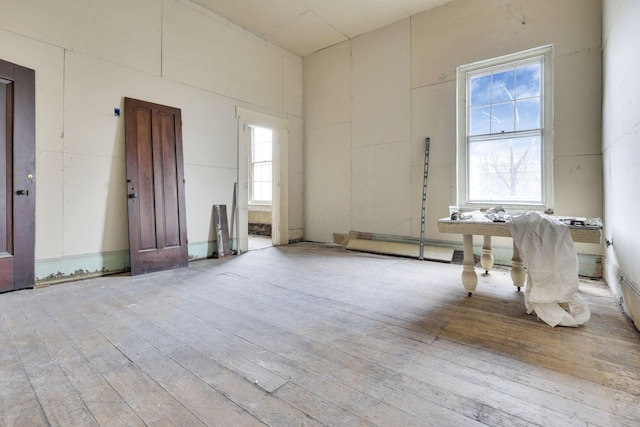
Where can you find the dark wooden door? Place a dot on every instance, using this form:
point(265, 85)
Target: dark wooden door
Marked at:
point(17, 181)
point(155, 187)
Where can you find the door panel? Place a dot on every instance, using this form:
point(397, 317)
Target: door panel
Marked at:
point(6, 195)
point(147, 233)
point(155, 178)
point(6, 168)
point(17, 182)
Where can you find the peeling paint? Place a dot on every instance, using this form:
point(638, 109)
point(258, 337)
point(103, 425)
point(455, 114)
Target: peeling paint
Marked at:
point(60, 277)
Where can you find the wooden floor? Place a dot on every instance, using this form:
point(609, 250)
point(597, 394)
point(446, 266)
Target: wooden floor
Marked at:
point(310, 335)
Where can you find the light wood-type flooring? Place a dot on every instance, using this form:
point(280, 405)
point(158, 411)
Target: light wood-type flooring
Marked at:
point(310, 335)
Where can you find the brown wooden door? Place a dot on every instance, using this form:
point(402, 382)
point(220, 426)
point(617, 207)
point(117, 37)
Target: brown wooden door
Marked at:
point(17, 182)
point(155, 187)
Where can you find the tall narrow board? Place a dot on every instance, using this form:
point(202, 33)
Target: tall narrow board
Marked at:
point(222, 230)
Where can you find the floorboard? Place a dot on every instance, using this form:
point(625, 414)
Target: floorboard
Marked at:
point(310, 335)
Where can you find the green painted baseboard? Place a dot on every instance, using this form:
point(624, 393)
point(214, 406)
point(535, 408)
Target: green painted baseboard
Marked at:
point(74, 267)
point(54, 270)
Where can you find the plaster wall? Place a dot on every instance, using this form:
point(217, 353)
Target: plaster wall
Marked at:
point(88, 56)
point(621, 149)
point(327, 149)
point(259, 216)
point(398, 87)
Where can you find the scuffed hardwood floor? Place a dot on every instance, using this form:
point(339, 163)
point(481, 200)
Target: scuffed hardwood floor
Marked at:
point(309, 335)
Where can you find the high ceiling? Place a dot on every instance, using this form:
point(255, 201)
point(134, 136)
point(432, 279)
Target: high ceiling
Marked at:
point(306, 26)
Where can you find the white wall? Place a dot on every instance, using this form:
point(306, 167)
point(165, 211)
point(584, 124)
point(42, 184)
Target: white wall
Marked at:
point(381, 130)
point(327, 147)
point(621, 149)
point(370, 103)
point(88, 56)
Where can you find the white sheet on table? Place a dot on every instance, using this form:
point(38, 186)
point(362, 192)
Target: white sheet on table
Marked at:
point(548, 252)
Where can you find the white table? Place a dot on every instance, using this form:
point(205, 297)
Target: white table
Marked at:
point(468, 228)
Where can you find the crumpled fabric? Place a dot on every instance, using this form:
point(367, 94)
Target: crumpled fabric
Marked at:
point(548, 253)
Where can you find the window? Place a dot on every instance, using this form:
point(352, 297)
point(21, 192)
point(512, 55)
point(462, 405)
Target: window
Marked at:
point(505, 134)
point(260, 168)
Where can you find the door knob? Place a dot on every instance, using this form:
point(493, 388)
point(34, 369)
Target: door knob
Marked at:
point(133, 196)
point(22, 192)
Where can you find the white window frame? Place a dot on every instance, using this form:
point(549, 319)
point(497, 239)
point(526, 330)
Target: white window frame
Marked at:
point(546, 53)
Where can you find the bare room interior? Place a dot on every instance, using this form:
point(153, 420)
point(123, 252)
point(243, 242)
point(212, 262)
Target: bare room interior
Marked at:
point(251, 212)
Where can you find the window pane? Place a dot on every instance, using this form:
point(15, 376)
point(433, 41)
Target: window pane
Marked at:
point(266, 172)
point(528, 114)
point(257, 191)
point(262, 191)
point(262, 140)
point(261, 182)
point(266, 191)
point(480, 90)
point(266, 152)
point(256, 172)
point(528, 81)
point(262, 152)
point(479, 121)
point(492, 108)
point(503, 86)
point(506, 170)
point(262, 134)
point(262, 172)
point(261, 155)
point(502, 118)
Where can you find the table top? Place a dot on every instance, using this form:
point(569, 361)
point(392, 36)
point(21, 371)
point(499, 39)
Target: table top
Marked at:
point(579, 233)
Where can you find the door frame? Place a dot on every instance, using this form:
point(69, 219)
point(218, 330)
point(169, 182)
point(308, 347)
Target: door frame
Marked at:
point(280, 182)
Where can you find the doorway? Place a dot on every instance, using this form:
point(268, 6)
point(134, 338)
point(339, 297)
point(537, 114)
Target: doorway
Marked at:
point(262, 179)
point(17, 177)
point(260, 189)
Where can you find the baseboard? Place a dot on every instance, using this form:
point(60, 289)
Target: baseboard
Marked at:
point(75, 267)
point(589, 265)
point(202, 250)
point(296, 235)
point(54, 270)
point(626, 290)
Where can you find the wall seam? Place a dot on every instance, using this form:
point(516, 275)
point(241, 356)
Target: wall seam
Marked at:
point(162, 40)
point(64, 146)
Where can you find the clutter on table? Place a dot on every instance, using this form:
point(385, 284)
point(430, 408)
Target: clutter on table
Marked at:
point(498, 214)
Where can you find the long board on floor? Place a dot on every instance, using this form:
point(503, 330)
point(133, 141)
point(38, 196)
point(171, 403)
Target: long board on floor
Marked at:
point(410, 250)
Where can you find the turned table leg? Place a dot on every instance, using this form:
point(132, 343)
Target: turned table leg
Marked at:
point(518, 274)
point(487, 257)
point(469, 276)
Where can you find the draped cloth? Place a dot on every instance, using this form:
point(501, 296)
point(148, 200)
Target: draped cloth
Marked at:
point(548, 253)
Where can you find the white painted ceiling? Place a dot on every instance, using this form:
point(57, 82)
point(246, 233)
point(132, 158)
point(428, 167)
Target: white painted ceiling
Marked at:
point(306, 26)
